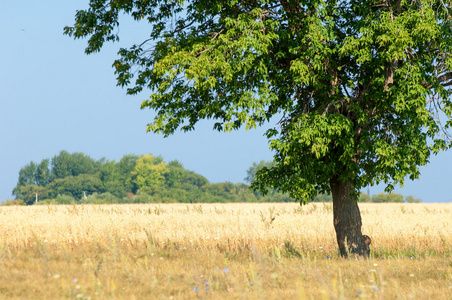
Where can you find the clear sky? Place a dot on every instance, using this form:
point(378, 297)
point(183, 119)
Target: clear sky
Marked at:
point(54, 97)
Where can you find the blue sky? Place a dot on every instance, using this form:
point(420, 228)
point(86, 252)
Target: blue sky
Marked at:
point(54, 97)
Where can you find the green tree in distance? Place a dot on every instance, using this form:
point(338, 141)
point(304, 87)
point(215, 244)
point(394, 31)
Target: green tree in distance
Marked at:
point(72, 164)
point(111, 178)
point(76, 186)
point(180, 177)
point(411, 199)
point(381, 198)
point(28, 193)
point(255, 167)
point(149, 174)
point(32, 175)
point(357, 84)
point(126, 165)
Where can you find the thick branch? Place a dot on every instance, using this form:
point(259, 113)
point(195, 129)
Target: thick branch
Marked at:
point(440, 80)
point(445, 77)
point(389, 78)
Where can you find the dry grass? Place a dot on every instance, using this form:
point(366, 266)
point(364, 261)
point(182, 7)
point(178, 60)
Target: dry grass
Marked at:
point(173, 250)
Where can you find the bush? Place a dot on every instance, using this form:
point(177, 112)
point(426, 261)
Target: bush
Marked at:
point(64, 199)
point(140, 197)
point(363, 197)
point(323, 198)
point(385, 198)
point(411, 199)
point(10, 202)
point(103, 198)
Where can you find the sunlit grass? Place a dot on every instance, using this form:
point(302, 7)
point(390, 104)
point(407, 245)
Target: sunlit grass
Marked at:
point(246, 251)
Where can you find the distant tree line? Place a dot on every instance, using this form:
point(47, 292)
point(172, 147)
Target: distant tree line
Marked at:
point(77, 178)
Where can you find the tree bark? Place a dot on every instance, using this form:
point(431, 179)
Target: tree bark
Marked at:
point(347, 221)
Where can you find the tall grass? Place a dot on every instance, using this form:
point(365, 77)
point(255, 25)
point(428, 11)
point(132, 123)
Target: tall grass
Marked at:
point(249, 251)
point(393, 227)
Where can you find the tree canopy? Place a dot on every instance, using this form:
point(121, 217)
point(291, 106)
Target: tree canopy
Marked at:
point(359, 85)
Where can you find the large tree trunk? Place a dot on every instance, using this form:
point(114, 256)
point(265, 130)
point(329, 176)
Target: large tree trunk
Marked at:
point(347, 221)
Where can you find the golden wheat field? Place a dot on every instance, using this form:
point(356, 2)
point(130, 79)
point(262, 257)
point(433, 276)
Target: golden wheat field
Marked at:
point(221, 251)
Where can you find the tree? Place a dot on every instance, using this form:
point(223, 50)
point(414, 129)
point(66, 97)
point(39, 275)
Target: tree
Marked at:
point(364, 197)
point(112, 179)
point(252, 171)
point(27, 176)
point(28, 193)
point(387, 198)
point(125, 167)
point(76, 186)
point(357, 85)
point(37, 175)
point(73, 164)
point(411, 199)
point(43, 176)
point(175, 175)
point(149, 174)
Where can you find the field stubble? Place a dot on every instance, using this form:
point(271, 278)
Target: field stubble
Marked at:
point(229, 251)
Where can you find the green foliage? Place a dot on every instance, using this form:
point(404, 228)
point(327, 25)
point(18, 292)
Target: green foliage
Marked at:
point(252, 171)
point(323, 198)
point(411, 199)
point(11, 202)
point(134, 179)
point(393, 198)
point(150, 180)
point(381, 198)
point(149, 174)
point(32, 175)
point(75, 186)
point(178, 177)
point(358, 85)
point(73, 174)
point(28, 193)
point(125, 167)
point(63, 199)
point(104, 198)
point(65, 164)
point(364, 197)
point(117, 177)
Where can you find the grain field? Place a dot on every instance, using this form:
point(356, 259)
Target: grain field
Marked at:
point(221, 251)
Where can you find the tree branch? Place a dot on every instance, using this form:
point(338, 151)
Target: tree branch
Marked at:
point(389, 77)
point(440, 80)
